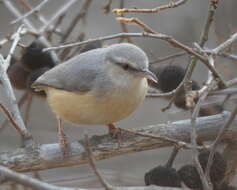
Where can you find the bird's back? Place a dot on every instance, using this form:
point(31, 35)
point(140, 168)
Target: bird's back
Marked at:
point(77, 74)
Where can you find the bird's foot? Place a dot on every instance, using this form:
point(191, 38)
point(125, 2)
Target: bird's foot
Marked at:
point(115, 132)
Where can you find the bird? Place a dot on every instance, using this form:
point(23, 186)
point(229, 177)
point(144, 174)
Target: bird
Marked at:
point(98, 87)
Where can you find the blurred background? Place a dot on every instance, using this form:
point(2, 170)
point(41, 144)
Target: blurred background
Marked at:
point(184, 23)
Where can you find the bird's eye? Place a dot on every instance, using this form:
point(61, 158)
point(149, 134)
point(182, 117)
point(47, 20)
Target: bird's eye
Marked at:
point(126, 67)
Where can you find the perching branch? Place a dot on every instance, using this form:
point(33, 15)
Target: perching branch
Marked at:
point(40, 157)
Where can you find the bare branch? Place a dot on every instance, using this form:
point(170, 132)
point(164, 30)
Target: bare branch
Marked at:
point(10, 118)
point(123, 25)
point(35, 9)
point(46, 156)
point(173, 56)
point(81, 15)
point(228, 55)
point(136, 21)
point(61, 11)
point(225, 44)
point(195, 113)
point(20, 103)
point(91, 159)
point(39, 185)
point(106, 7)
point(205, 33)
point(8, 88)
point(16, 40)
point(225, 127)
point(154, 10)
point(211, 12)
point(30, 26)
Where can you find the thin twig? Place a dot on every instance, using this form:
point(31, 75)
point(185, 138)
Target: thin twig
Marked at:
point(9, 90)
point(228, 55)
point(221, 133)
point(16, 40)
point(55, 27)
point(9, 5)
point(75, 50)
point(123, 25)
point(136, 21)
point(195, 113)
point(205, 33)
point(211, 13)
point(154, 10)
point(225, 44)
point(173, 56)
point(172, 157)
point(91, 161)
point(81, 15)
point(20, 103)
point(41, 18)
point(11, 37)
point(35, 9)
point(106, 8)
point(10, 118)
point(61, 11)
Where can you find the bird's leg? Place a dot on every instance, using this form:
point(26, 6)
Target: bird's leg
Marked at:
point(28, 107)
point(62, 138)
point(115, 132)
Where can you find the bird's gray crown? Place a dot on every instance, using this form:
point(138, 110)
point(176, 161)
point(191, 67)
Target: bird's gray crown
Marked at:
point(125, 53)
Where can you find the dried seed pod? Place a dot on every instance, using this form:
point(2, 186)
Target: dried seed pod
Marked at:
point(34, 58)
point(17, 75)
point(163, 176)
point(218, 167)
point(190, 176)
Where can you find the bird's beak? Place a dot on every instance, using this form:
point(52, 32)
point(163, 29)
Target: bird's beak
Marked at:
point(146, 73)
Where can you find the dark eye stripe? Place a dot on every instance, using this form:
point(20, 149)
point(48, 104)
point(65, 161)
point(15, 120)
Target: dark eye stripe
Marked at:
point(126, 66)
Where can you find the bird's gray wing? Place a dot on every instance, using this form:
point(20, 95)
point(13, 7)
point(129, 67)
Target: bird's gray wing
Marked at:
point(77, 75)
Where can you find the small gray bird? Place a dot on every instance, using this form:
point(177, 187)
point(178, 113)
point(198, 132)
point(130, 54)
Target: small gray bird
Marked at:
point(100, 86)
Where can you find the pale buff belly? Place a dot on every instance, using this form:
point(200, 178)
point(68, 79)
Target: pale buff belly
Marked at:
point(86, 109)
